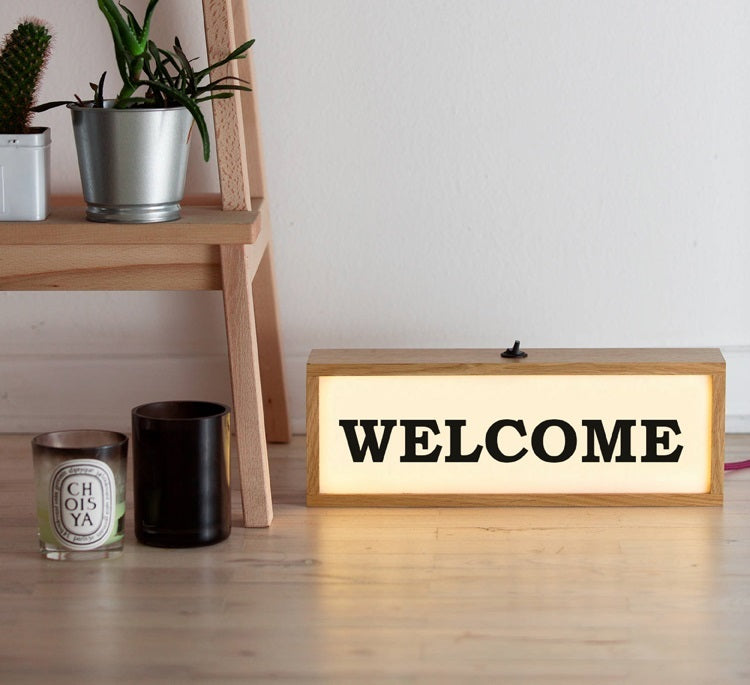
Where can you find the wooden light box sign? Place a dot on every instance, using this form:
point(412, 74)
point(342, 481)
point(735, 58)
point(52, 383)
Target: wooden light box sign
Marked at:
point(471, 428)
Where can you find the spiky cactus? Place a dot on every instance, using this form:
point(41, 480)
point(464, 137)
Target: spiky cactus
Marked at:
point(22, 60)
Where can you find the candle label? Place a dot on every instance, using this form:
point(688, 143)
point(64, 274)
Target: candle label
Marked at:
point(82, 503)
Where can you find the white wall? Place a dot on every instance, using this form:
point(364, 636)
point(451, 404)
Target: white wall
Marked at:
point(441, 173)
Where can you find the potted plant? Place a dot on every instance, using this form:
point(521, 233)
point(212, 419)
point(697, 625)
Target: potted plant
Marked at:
point(133, 149)
point(24, 150)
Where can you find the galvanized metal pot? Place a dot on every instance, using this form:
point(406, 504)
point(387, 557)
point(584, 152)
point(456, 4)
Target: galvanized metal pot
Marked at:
point(132, 161)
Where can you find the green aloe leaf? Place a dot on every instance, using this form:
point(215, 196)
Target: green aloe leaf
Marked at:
point(51, 105)
point(210, 88)
point(187, 68)
point(192, 106)
point(147, 20)
point(133, 22)
point(120, 29)
point(99, 92)
point(218, 96)
point(168, 58)
point(123, 47)
point(159, 71)
point(238, 53)
point(226, 78)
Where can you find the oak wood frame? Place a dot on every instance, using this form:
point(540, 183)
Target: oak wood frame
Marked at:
point(561, 362)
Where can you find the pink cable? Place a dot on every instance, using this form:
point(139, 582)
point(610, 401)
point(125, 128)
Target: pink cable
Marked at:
point(737, 465)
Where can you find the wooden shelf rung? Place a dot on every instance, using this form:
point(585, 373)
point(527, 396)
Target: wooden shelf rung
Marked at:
point(66, 225)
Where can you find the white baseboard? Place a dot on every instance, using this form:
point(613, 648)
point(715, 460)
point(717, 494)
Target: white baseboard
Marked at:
point(738, 388)
point(295, 370)
point(41, 392)
point(737, 424)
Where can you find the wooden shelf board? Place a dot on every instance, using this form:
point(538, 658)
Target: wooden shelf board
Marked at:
point(121, 266)
point(199, 225)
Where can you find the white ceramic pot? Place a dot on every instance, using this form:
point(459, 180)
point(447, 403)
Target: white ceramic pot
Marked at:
point(24, 175)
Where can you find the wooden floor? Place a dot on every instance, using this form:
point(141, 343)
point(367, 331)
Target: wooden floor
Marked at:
point(609, 595)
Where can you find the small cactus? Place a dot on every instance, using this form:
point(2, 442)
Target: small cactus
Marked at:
point(22, 60)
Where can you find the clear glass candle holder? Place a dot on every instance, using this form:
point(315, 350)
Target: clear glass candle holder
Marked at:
point(80, 493)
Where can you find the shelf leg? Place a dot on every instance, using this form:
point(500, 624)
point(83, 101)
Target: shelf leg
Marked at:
point(244, 369)
point(269, 350)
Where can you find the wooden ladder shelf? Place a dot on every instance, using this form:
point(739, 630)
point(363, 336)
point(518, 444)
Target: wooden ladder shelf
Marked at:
point(226, 247)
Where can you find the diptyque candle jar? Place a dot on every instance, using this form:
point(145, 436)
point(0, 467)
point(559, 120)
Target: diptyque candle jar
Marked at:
point(80, 493)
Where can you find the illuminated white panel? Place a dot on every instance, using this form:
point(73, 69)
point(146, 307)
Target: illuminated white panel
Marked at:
point(484, 399)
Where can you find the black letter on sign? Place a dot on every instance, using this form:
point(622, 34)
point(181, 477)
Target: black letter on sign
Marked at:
point(455, 455)
point(411, 440)
point(652, 440)
point(491, 440)
point(621, 431)
point(537, 441)
point(370, 441)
